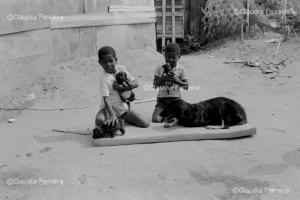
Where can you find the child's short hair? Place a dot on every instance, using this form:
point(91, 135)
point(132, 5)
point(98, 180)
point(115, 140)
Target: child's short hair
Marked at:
point(106, 50)
point(172, 47)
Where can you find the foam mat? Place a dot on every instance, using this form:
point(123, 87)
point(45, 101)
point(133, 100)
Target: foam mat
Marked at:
point(157, 134)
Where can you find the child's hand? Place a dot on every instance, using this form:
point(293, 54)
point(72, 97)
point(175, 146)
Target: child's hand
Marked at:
point(164, 79)
point(174, 79)
point(127, 84)
point(171, 73)
point(111, 120)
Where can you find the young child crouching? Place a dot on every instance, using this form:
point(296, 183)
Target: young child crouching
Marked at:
point(113, 110)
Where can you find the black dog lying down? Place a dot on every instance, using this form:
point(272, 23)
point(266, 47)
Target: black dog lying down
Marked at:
point(110, 130)
point(220, 111)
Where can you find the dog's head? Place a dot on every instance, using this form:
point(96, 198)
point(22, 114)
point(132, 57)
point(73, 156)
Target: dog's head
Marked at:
point(178, 109)
point(167, 68)
point(121, 77)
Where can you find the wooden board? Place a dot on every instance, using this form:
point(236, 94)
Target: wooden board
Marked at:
point(89, 20)
point(157, 134)
point(173, 22)
point(77, 132)
point(169, 20)
point(195, 17)
point(163, 24)
point(129, 9)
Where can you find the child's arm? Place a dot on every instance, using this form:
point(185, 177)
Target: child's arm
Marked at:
point(121, 88)
point(182, 80)
point(112, 115)
point(181, 83)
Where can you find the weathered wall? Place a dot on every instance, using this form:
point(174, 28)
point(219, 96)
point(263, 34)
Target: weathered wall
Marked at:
point(126, 36)
point(23, 55)
point(10, 10)
point(31, 46)
point(20, 37)
point(102, 5)
point(72, 43)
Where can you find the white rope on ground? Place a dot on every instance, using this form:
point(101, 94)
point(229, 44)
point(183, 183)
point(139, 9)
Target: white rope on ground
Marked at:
point(69, 108)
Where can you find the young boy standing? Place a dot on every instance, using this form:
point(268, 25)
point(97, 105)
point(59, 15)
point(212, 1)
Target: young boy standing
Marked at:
point(169, 78)
point(111, 104)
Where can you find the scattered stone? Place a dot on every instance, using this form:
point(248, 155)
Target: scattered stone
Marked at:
point(287, 76)
point(2, 164)
point(82, 179)
point(254, 62)
point(12, 120)
point(30, 96)
point(28, 154)
point(273, 40)
point(44, 150)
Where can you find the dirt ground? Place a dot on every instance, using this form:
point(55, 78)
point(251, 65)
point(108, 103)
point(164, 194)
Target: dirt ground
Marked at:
point(67, 166)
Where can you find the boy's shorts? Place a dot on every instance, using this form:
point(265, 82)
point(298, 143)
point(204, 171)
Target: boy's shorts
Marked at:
point(119, 108)
point(163, 102)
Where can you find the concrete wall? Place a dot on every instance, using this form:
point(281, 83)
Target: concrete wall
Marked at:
point(65, 44)
point(135, 36)
point(22, 55)
point(72, 43)
point(30, 46)
point(12, 9)
point(102, 5)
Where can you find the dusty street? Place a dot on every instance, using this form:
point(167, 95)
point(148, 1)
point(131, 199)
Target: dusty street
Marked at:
point(263, 167)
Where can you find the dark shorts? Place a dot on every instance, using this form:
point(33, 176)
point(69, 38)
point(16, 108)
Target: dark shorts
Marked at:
point(164, 102)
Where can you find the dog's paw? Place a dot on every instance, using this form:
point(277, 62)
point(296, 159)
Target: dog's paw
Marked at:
point(167, 126)
point(211, 128)
point(112, 135)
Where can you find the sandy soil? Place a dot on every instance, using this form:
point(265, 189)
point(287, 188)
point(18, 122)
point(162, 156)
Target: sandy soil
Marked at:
point(265, 166)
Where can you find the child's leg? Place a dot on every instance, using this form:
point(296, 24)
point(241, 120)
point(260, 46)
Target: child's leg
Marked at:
point(161, 104)
point(100, 117)
point(156, 118)
point(136, 119)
